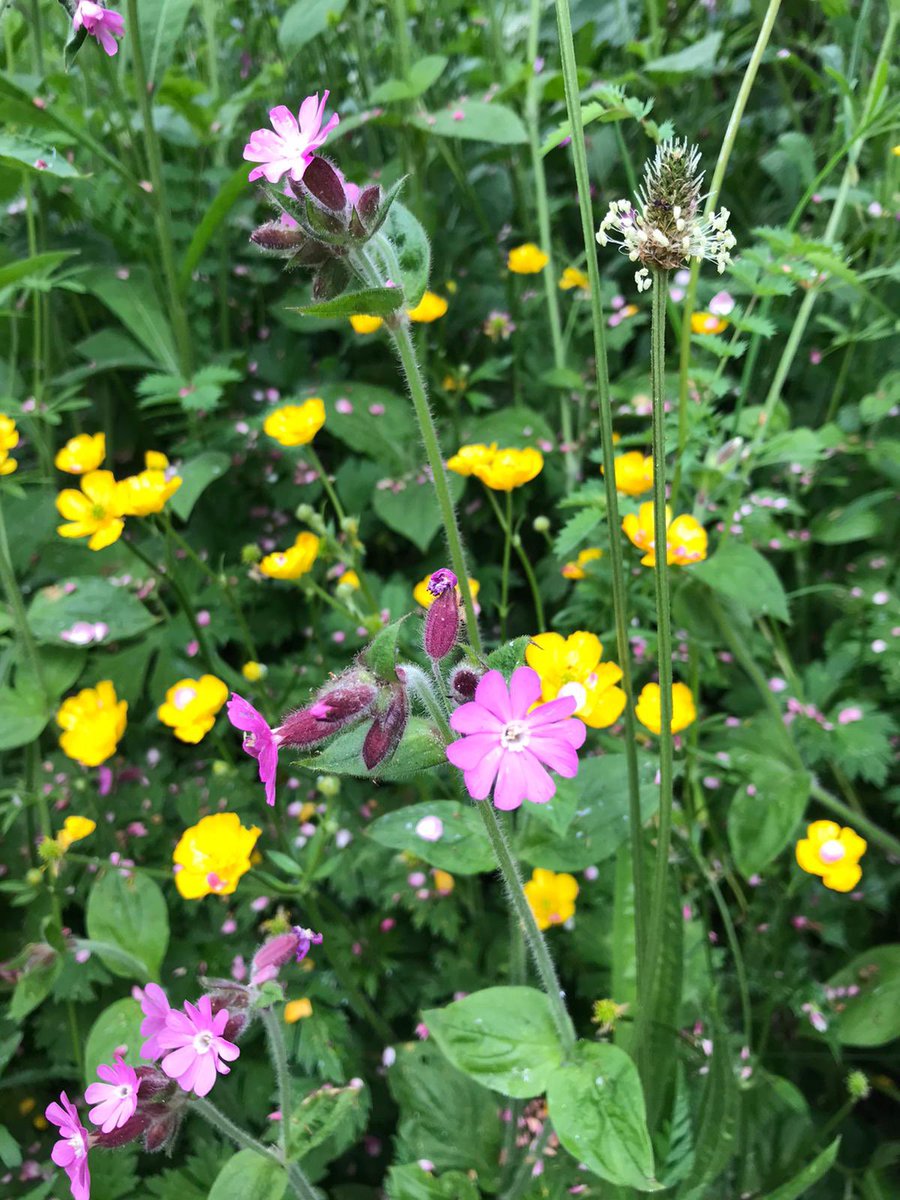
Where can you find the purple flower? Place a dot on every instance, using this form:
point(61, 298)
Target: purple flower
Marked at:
point(508, 743)
point(260, 742)
point(305, 939)
point(71, 1151)
point(294, 142)
point(442, 580)
point(101, 23)
point(156, 1008)
point(198, 1052)
point(280, 950)
point(114, 1100)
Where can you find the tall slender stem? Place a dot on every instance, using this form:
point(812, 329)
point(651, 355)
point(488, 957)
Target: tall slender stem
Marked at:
point(20, 620)
point(617, 569)
point(715, 187)
point(516, 541)
point(509, 869)
point(208, 1111)
point(278, 1051)
point(163, 219)
point(658, 906)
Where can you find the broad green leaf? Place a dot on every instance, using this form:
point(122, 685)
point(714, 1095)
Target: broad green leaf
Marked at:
point(658, 1053)
point(11, 1155)
point(503, 1037)
point(23, 716)
point(419, 749)
point(380, 655)
point(249, 1176)
point(197, 474)
point(32, 988)
point(36, 157)
point(474, 120)
point(118, 1025)
point(234, 187)
point(803, 446)
point(388, 434)
point(130, 913)
point(716, 1122)
point(133, 301)
point(37, 266)
point(321, 1115)
point(507, 657)
point(854, 522)
point(413, 511)
point(576, 529)
point(412, 249)
point(60, 667)
point(422, 74)
point(597, 1108)
point(373, 302)
point(762, 825)
point(872, 1017)
point(306, 20)
point(699, 58)
point(463, 847)
point(807, 1176)
point(162, 25)
point(93, 599)
point(746, 578)
point(413, 1182)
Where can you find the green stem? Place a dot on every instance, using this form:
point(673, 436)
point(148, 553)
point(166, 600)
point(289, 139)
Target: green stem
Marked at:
point(509, 869)
point(516, 542)
point(208, 13)
point(208, 1111)
point(658, 906)
point(525, 1174)
point(20, 620)
point(506, 526)
point(715, 187)
point(352, 537)
point(163, 218)
point(616, 565)
point(278, 1051)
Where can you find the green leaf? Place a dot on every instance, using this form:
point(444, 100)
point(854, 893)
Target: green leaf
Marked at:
point(162, 25)
point(597, 1108)
point(381, 653)
point(323, 1114)
point(413, 511)
point(805, 1178)
point(872, 1017)
point(118, 1025)
point(413, 252)
point(419, 749)
point(130, 913)
point(503, 1037)
point(17, 152)
point(11, 1155)
point(197, 474)
point(463, 847)
point(576, 530)
point(38, 266)
point(507, 657)
point(92, 599)
point(853, 522)
point(479, 122)
point(388, 435)
point(32, 989)
point(422, 74)
point(697, 59)
point(23, 717)
point(373, 302)
point(133, 301)
point(249, 1176)
point(412, 1182)
point(748, 580)
point(760, 826)
point(803, 446)
point(716, 1124)
point(234, 187)
point(306, 20)
point(610, 104)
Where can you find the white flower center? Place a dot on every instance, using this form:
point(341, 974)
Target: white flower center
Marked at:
point(832, 851)
point(515, 735)
point(577, 690)
point(77, 1144)
point(203, 1042)
point(183, 696)
point(124, 1091)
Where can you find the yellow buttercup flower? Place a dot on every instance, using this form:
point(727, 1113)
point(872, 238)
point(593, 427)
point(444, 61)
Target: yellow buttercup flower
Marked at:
point(298, 1010)
point(634, 473)
point(191, 707)
point(571, 667)
point(296, 424)
point(576, 570)
point(82, 453)
point(363, 323)
point(444, 883)
point(528, 259)
point(686, 540)
point(647, 709)
point(422, 596)
point(349, 579)
point(95, 512)
point(551, 897)
point(253, 671)
point(832, 853)
point(9, 439)
point(469, 460)
point(155, 460)
point(147, 492)
point(73, 830)
point(706, 322)
point(511, 468)
point(93, 722)
point(297, 560)
point(573, 278)
point(430, 308)
point(213, 855)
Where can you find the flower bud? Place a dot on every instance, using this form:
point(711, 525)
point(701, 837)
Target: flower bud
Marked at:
point(136, 1125)
point(328, 786)
point(463, 682)
point(277, 239)
point(250, 554)
point(348, 699)
point(387, 729)
point(153, 1081)
point(271, 956)
point(369, 203)
point(728, 451)
point(442, 618)
point(541, 524)
point(858, 1086)
point(325, 184)
point(163, 1127)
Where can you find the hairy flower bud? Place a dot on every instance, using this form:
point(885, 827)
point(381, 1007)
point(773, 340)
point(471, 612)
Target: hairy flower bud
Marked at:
point(387, 729)
point(276, 238)
point(443, 617)
point(325, 184)
point(153, 1081)
point(165, 1121)
point(136, 1125)
point(348, 699)
point(369, 202)
point(463, 682)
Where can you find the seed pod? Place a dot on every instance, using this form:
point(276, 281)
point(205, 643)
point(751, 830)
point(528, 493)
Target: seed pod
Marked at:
point(387, 729)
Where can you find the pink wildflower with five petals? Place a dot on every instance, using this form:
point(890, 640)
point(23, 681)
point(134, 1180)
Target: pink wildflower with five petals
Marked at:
point(260, 740)
point(115, 1099)
point(509, 741)
point(104, 24)
point(294, 142)
point(198, 1051)
point(71, 1151)
point(156, 1008)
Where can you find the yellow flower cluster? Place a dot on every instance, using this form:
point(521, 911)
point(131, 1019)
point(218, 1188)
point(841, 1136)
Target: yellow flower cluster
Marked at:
point(212, 856)
point(551, 897)
point(9, 439)
point(500, 470)
point(571, 667)
point(833, 854)
point(191, 707)
point(97, 511)
point(93, 722)
point(686, 539)
point(73, 830)
point(528, 259)
point(648, 709)
point(430, 308)
point(634, 473)
point(422, 596)
point(297, 560)
point(577, 569)
point(296, 424)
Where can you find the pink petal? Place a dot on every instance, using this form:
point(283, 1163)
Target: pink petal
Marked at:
point(468, 752)
point(553, 710)
point(558, 755)
point(62, 1154)
point(524, 690)
point(179, 1062)
point(475, 718)
point(228, 1050)
point(56, 1115)
point(510, 788)
point(205, 1074)
point(491, 694)
point(96, 1093)
point(479, 780)
point(108, 1073)
point(80, 1181)
point(310, 115)
point(284, 122)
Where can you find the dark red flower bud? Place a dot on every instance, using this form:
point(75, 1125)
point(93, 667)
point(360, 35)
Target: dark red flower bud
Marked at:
point(348, 699)
point(442, 626)
point(279, 238)
point(463, 682)
point(165, 1121)
point(387, 729)
point(235, 999)
point(136, 1125)
point(153, 1081)
point(369, 202)
point(325, 184)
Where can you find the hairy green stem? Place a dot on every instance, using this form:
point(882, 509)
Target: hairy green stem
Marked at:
point(208, 1111)
point(278, 1051)
point(616, 565)
point(513, 539)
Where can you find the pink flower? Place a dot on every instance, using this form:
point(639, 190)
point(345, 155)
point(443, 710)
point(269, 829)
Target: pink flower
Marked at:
point(294, 142)
point(115, 1100)
point(260, 741)
point(156, 1008)
point(101, 23)
point(71, 1151)
point(512, 745)
point(197, 1047)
